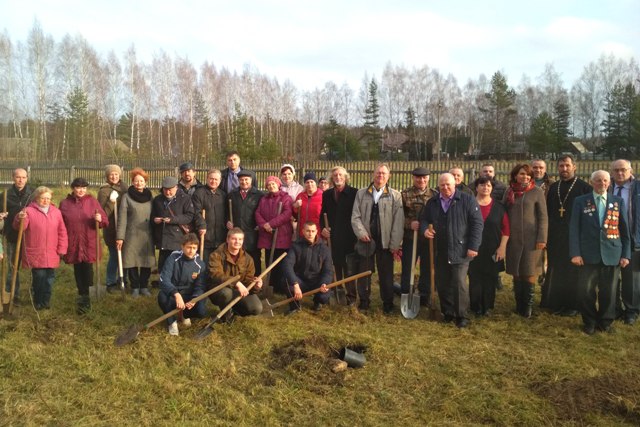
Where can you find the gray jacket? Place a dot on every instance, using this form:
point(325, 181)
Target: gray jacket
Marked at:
point(134, 227)
point(391, 216)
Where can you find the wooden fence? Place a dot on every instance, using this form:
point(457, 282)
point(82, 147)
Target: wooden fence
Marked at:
point(360, 172)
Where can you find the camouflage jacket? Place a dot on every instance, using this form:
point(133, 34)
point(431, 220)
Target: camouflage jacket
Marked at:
point(413, 201)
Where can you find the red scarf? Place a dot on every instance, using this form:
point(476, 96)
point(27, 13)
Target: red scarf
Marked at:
point(517, 190)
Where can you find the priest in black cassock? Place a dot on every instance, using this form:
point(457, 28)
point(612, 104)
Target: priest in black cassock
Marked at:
point(559, 288)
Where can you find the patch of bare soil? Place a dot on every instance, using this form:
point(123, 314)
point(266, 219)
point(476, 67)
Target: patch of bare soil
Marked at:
point(616, 395)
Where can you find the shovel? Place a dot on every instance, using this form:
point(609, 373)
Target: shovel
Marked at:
point(132, 332)
point(8, 308)
point(410, 303)
point(268, 289)
point(207, 330)
point(202, 236)
point(341, 295)
point(120, 269)
point(267, 309)
point(96, 293)
point(434, 313)
point(5, 294)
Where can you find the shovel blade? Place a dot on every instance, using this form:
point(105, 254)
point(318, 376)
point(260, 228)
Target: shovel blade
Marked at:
point(267, 310)
point(128, 336)
point(206, 331)
point(341, 295)
point(409, 305)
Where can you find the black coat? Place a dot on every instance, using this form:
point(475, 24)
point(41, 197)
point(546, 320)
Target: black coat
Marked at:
point(244, 215)
point(308, 263)
point(169, 235)
point(16, 201)
point(225, 176)
point(343, 239)
point(214, 204)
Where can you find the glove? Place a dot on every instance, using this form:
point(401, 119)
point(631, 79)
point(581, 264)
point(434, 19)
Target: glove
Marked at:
point(113, 196)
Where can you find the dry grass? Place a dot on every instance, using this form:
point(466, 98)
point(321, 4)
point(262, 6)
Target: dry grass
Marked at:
point(63, 369)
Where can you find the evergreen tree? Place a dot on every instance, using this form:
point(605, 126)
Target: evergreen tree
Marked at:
point(77, 115)
point(500, 116)
point(371, 122)
point(618, 123)
point(561, 116)
point(543, 136)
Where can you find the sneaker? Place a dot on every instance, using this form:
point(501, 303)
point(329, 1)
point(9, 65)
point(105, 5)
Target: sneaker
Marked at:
point(135, 293)
point(145, 292)
point(186, 322)
point(173, 329)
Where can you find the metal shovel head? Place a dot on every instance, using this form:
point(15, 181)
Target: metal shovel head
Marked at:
point(410, 305)
point(267, 311)
point(341, 295)
point(206, 331)
point(128, 336)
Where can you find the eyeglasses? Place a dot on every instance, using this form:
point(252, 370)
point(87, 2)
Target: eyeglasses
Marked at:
point(621, 170)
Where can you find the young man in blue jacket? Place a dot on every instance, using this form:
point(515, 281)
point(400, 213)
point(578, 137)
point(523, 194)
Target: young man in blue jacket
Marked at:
point(182, 279)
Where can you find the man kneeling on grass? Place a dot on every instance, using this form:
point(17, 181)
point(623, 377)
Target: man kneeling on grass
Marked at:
point(308, 266)
point(228, 260)
point(182, 279)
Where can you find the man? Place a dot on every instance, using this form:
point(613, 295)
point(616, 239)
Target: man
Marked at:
point(378, 220)
point(209, 204)
point(499, 187)
point(308, 266)
point(182, 279)
point(413, 200)
point(458, 176)
point(17, 199)
point(628, 188)
point(599, 246)
point(559, 294)
point(457, 230)
point(228, 260)
point(540, 175)
point(337, 204)
point(171, 211)
point(188, 182)
point(244, 202)
point(230, 174)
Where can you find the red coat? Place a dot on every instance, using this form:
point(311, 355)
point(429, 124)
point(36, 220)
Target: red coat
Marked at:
point(78, 217)
point(266, 213)
point(44, 239)
point(310, 209)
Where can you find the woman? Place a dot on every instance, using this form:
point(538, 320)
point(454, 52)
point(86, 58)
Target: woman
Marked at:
point(45, 241)
point(289, 185)
point(527, 210)
point(133, 234)
point(484, 268)
point(268, 220)
point(81, 212)
point(109, 196)
point(308, 204)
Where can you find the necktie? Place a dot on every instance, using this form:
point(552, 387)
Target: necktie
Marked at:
point(601, 208)
point(619, 191)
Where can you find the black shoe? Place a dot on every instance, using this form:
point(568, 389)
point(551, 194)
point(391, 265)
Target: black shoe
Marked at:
point(387, 308)
point(317, 307)
point(448, 318)
point(228, 318)
point(607, 329)
point(462, 323)
point(630, 320)
point(397, 288)
point(568, 313)
point(589, 329)
point(292, 311)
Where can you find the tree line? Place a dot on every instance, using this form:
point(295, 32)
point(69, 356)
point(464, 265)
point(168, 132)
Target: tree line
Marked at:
point(62, 100)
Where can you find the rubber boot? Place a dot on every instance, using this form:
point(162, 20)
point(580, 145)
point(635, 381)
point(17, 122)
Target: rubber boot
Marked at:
point(517, 293)
point(528, 293)
point(84, 304)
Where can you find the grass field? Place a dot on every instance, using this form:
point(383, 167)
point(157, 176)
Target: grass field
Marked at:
point(58, 368)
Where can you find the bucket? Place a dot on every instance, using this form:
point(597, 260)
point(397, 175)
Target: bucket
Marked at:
point(353, 358)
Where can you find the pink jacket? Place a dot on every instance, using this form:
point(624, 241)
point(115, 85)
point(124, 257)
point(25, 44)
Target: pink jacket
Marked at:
point(81, 227)
point(266, 213)
point(44, 239)
point(310, 209)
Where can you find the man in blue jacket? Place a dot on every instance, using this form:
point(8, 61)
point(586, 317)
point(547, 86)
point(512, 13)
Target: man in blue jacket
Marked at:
point(599, 246)
point(457, 230)
point(181, 280)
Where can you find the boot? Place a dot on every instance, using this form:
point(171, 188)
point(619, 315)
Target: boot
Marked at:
point(528, 293)
point(517, 293)
point(83, 304)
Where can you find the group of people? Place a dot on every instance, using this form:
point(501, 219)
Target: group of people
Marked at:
point(573, 238)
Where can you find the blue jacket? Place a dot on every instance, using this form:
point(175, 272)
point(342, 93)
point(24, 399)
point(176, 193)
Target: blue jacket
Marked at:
point(183, 275)
point(308, 263)
point(595, 242)
point(464, 224)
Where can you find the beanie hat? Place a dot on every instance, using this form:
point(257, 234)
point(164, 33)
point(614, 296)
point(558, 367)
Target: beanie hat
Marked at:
point(310, 175)
point(272, 179)
point(112, 168)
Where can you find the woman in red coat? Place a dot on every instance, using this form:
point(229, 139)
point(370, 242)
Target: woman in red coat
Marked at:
point(45, 241)
point(268, 220)
point(309, 202)
point(81, 211)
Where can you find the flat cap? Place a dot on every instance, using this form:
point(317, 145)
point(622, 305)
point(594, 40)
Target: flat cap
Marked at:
point(420, 171)
point(169, 182)
point(186, 166)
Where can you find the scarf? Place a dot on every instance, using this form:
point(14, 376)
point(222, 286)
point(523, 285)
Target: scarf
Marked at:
point(517, 190)
point(139, 197)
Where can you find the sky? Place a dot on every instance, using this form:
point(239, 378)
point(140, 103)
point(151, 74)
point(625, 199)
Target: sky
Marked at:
point(313, 42)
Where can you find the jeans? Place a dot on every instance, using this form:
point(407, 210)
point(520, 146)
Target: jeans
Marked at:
point(42, 285)
point(167, 303)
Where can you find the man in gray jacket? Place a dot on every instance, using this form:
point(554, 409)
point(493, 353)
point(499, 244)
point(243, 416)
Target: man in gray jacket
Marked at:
point(378, 222)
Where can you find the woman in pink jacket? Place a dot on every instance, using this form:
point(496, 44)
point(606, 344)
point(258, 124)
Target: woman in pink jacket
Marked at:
point(268, 220)
point(45, 241)
point(81, 211)
point(308, 204)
